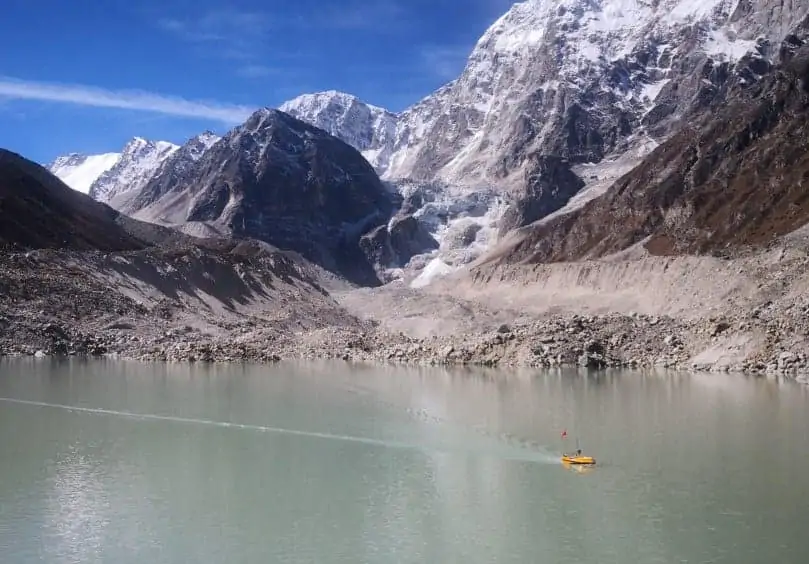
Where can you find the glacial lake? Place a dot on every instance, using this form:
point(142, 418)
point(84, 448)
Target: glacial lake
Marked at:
point(122, 462)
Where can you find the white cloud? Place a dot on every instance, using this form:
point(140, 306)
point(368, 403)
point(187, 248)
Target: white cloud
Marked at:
point(123, 99)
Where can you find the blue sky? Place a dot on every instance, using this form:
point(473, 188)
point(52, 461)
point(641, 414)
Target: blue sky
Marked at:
point(87, 75)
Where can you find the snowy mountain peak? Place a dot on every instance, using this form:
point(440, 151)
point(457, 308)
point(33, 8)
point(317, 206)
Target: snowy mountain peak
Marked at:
point(68, 160)
point(544, 60)
point(168, 169)
point(316, 100)
point(138, 161)
point(207, 138)
point(368, 128)
point(140, 146)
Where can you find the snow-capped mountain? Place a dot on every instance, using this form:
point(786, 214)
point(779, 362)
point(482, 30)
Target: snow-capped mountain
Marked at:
point(80, 171)
point(369, 129)
point(138, 162)
point(116, 178)
point(580, 90)
point(107, 175)
point(558, 99)
point(168, 170)
point(579, 79)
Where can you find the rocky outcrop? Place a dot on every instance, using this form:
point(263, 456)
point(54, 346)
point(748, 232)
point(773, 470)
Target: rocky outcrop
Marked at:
point(37, 210)
point(549, 185)
point(394, 245)
point(282, 181)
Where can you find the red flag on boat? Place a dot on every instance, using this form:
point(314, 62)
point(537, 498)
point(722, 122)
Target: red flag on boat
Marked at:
point(564, 433)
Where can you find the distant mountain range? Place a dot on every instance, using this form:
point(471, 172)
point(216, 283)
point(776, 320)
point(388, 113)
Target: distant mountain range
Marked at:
point(558, 140)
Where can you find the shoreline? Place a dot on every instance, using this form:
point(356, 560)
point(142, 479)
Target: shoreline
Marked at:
point(595, 343)
point(746, 315)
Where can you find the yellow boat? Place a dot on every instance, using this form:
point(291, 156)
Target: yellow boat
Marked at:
point(578, 459)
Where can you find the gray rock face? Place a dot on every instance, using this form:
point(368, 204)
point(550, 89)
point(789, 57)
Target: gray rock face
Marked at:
point(392, 246)
point(460, 235)
point(282, 181)
point(409, 237)
point(730, 180)
point(549, 186)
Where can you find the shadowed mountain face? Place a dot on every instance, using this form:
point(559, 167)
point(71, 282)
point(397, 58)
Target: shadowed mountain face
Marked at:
point(735, 177)
point(37, 210)
point(282, 181)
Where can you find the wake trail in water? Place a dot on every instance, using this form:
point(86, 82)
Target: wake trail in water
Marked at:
point(504, 451)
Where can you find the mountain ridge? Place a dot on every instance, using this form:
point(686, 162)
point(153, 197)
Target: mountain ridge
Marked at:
point(557, 101)
point(277, 179)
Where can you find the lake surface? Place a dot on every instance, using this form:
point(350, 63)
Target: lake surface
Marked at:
point(130, 463)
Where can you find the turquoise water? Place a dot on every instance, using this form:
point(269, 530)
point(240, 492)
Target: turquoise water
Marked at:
point(127, 462)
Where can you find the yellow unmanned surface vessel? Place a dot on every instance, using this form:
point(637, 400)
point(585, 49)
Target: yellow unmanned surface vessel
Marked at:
point(580, 459)
point(577, 458)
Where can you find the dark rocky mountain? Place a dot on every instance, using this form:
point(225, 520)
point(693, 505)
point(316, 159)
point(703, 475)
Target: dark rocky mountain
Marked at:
point(736, 176)
point(37, 210)
point(279, 180)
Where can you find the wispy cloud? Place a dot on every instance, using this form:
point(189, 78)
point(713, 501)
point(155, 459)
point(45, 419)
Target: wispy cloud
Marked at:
point(122, 99)
point(228, 33)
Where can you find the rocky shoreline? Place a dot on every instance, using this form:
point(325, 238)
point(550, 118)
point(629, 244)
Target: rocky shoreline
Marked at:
point(592, 342)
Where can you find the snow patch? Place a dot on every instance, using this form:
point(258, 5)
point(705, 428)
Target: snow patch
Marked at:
point(80, 171)
point(689, 10)
point(599, 177)
point(721, 44)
